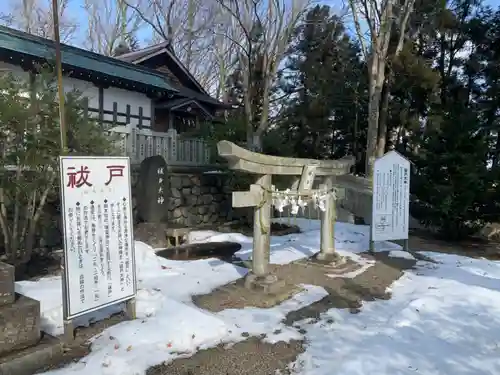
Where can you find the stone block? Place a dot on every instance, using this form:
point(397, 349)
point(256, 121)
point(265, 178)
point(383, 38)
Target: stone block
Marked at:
point(19, 324)
point(152, 190)
point(7, 294)
point(176, 182)
point(153, 234)
point(357, 202)
point(186, 182)
point(28, 361)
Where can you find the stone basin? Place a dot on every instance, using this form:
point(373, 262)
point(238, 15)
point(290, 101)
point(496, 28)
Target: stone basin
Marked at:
point(221, 250)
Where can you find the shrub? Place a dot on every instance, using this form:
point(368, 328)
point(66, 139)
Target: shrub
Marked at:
point(30, 149)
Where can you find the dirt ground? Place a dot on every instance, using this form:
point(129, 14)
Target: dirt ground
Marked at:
point(345, 292)
point(421, 240)
point(251, 356)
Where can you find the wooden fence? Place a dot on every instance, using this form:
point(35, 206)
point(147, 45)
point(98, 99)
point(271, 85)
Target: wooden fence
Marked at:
point(175, 149)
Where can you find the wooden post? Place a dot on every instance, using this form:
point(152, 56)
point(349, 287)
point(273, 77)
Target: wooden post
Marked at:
point(130, 310)
point(262, 228)
point(69, 331)
point(141, 119)
point(127, 114)
point(60, 87)
point(115, 113)
point(371, 243)
point(69, 327)
point(406, 245)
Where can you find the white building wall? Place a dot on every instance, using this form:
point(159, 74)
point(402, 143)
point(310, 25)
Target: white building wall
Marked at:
point(111, 95)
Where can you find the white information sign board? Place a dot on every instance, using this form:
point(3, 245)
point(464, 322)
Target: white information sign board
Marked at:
point(391, 198)
point(98, 234)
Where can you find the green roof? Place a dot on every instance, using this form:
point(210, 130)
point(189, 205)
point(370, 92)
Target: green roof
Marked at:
point(37, 47)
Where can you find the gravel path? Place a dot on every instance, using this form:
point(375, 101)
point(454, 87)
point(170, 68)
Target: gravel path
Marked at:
point(249, 357)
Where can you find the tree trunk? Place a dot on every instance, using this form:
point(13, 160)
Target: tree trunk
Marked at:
point(191, 15)
point(375, 90)
point(257, 142)
point(249, 135)
point(249, 120)
point(383, 118)
point(355, 130)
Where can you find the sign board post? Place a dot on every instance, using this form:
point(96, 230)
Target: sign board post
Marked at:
point(391, 199)
point(99, 256)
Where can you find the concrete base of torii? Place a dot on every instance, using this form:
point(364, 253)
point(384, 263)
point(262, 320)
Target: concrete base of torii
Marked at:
point(269, 284)
point(329, 258)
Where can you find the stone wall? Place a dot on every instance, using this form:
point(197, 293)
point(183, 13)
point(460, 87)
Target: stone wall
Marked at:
point(195, 198)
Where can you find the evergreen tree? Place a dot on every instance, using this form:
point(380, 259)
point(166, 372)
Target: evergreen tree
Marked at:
point(452, 182)
point(30, 133)
point(325, 89)
point(441, 111)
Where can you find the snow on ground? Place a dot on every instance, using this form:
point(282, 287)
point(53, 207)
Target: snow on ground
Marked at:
point(349, 240)
point(159, 281)
point(443, 318)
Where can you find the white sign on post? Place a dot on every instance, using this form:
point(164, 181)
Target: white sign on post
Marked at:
point(391, 198)
point(98, 235)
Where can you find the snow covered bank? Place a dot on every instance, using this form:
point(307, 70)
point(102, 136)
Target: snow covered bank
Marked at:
point(443, 318)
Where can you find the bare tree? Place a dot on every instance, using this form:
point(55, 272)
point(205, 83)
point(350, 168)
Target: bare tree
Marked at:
point(224, 55)
point(35, 17)
point(265, 28)
point(382, 18)
point(186, 25)
point(109, 23)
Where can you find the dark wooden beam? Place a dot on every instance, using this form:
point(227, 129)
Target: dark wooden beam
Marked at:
point(101, 104)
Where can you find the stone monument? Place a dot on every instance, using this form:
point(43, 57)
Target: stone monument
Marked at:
point(23, 347)
point(152, 189)
point(153, 202)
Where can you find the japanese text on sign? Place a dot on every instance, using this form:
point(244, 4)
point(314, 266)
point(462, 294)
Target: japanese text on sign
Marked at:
point(391, 198)
point(78, 177)
point(99, 259)
point(161, 177)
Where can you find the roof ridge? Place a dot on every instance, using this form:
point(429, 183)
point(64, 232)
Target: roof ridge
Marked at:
point(163, 44)
point(90, 54)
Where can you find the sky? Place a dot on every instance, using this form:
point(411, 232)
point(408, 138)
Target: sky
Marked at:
point(76, 12)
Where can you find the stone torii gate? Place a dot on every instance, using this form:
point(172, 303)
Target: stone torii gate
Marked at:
point(260, 196)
